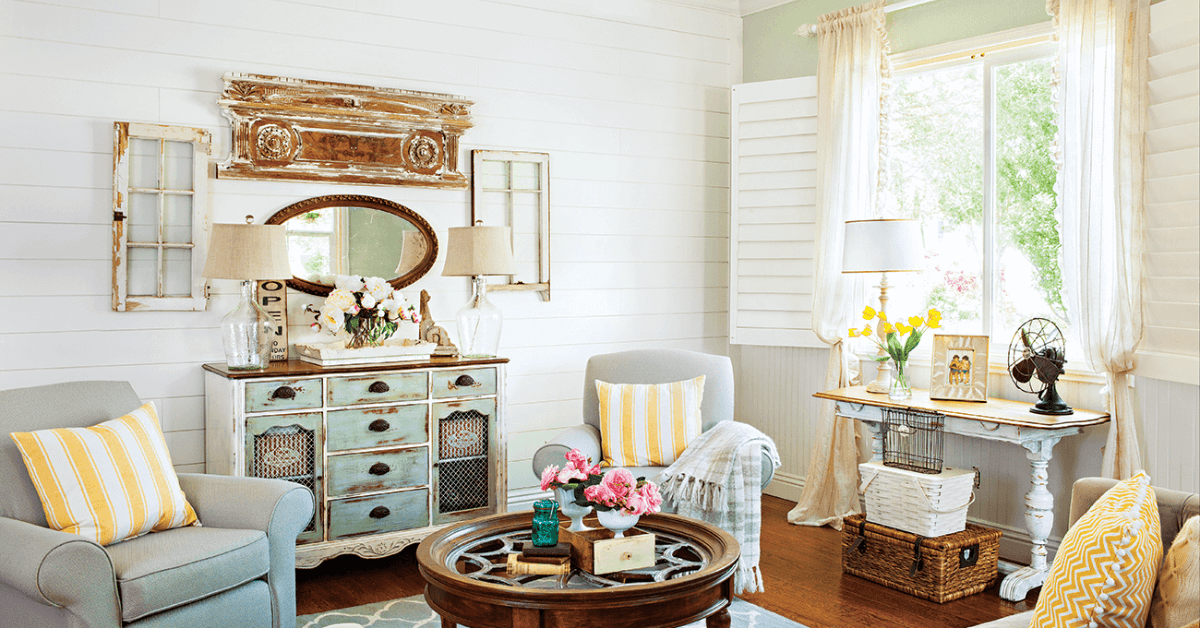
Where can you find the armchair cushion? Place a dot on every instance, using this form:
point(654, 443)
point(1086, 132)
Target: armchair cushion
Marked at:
point(1177, 596)
point(168, 569)
point(109, 482)
point(648, 424)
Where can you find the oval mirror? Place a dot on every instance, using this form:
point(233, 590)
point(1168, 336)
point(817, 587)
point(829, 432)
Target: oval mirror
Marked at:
point(344, 234)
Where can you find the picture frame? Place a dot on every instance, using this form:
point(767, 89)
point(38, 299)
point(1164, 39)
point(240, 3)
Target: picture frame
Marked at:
point(960, 368)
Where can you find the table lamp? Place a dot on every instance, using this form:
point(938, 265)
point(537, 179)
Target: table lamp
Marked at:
point(248, 253)
point(475, 252)
point(883, 246)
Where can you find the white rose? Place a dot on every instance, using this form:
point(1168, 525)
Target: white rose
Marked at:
point(353, 283)
point(341, 299)
point(332, 318)
point(379, 288)
point(367, 301)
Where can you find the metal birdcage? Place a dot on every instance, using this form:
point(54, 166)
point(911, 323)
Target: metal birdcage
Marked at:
point(914, 440)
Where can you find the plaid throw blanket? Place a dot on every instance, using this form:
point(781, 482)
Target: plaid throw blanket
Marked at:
point(718, 479)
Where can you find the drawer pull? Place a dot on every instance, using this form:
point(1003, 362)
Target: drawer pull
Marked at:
point(379, 468)
point(378, 387)
point(379, 425)
point(379, 512)
point(284, 392)
point(463, 381)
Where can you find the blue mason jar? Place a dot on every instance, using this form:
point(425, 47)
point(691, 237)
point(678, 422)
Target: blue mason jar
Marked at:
point(545, 523)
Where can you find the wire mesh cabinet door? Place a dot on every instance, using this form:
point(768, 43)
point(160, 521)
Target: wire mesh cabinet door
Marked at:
point(288, 447)
point(466, 460)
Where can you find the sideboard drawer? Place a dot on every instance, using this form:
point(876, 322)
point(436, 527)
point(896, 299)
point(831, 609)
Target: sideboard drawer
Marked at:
point(377, 427)
point(380, 388)
point(378, 470)
point(379, 513)
point(464, 383)
point(292, 394)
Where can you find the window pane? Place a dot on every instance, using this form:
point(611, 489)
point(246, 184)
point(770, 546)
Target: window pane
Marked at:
point(1027, 233)
point(494, 175)
point(143, 163)
point(936, 175)
point(177, 272)
point(525, 175)
point(493, 208)
point(142, 220)
point(142, 274)
point(177, 218)
point(319, 221)
point(177, 165)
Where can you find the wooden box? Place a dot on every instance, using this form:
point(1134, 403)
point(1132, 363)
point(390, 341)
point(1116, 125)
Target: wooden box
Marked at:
point(940, 569)
point(597, 552)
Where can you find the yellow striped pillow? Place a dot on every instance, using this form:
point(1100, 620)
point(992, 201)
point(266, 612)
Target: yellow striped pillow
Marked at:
point(109, 482)
point(1107, 564)
point(645, 425)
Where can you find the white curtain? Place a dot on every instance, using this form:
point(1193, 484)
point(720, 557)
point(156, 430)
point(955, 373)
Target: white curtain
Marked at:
point(852, 79)
point(1102, 67)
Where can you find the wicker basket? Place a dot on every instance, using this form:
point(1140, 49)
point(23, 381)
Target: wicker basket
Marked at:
point(940, 569)
point(920, 503)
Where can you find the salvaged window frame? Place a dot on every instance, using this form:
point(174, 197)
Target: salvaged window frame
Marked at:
point(170, 240)
point(515, 214)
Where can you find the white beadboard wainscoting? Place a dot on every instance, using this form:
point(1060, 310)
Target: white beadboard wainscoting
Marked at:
point(629, 99)
point(774, 393)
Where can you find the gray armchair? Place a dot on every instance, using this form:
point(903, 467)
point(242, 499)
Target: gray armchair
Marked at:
point(236, 569)
point(646, 366)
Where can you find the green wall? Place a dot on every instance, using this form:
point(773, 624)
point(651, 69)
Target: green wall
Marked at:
point(772, 50)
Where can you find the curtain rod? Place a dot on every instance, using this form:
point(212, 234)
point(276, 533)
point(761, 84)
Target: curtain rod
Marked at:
point(810, 30)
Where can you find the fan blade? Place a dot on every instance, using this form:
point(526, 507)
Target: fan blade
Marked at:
point(1048, 370)
point(1023, 370)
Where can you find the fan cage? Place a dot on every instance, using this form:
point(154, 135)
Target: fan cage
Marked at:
point(914, 440)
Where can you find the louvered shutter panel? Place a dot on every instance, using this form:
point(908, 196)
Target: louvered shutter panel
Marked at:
point(1171, 349)
point(773, 165)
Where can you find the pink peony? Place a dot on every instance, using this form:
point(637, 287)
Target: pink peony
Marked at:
point(569, 473)
point(600, 494)
point(635, 504)
point(577, 460)
point(652, 497)
point(594, 470)
point(619, 481)
point(548, 476)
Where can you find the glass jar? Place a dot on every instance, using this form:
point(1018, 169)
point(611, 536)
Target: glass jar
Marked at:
point(545, 523)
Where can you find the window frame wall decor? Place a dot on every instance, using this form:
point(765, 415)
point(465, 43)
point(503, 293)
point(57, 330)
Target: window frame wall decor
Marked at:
point(524, 247)
point(990, 52)
point(126, 189)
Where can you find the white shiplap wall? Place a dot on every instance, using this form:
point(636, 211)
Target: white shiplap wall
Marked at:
point(629, 98)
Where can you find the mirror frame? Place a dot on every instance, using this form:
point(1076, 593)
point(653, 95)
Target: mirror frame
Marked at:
point(371, 202)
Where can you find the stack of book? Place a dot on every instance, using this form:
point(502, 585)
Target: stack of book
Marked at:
point(540, 561)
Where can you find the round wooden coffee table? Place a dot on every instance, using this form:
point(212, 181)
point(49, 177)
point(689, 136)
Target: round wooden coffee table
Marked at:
point(467, 583)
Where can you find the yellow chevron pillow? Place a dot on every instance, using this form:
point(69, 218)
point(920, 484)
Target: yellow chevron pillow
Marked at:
point(1107, 566)
point(643, 425)
point(109, 482)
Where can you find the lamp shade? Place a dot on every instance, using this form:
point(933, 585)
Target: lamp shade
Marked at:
point(883, 245)
point(247, 252)
point(479, 250)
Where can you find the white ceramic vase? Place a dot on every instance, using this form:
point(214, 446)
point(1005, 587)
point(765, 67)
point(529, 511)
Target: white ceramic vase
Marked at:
point(617, 521)
point(568, 507)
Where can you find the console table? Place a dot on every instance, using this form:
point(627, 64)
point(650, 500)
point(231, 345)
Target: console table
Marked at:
point(999, 420)
point(392, 452)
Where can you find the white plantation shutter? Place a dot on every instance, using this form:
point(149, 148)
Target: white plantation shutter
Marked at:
point(1171, 349)
point(773, 161)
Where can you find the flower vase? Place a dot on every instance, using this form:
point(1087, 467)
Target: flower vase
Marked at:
point(568, 507)
point(616, 521)
point(370, 332)
point(900, 388)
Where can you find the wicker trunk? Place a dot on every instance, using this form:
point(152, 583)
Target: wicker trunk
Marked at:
point(944, 568)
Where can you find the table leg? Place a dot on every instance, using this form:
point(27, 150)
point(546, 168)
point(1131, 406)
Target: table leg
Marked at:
point(1039, 518)
point(719, 619)
point(448, 623)
point(876, 440)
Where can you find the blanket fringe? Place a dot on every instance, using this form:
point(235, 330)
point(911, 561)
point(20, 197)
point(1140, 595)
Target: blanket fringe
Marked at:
point(686, 488)
point(748, 579)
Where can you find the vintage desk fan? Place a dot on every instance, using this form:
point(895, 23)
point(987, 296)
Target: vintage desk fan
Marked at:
point(1035, 362)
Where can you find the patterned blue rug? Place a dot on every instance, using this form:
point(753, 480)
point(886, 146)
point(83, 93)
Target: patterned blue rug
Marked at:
point(411, 612)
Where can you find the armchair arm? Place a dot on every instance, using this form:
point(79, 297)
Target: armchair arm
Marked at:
point(584, 437)
point(59, 569)
point(281, 509)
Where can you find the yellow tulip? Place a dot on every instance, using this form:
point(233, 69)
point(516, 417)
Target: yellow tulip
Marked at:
point(934, 323)
point(915, 321)
point(902, 328)
point(866, 332)
point(933, 313)
point(883, 316)
point(888, 329)
point(854, 332)
point(868, 313)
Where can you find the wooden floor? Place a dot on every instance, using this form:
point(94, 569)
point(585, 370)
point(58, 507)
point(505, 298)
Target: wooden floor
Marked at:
point(801, 567)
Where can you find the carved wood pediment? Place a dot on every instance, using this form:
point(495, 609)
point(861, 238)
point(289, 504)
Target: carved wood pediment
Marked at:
point(317, 131)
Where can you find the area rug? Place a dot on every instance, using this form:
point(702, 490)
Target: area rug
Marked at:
point(411, 612)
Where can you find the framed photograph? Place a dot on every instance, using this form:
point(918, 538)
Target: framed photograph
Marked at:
point(960, 368)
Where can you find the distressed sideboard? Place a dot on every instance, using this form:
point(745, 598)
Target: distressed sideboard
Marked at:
point(392, 452)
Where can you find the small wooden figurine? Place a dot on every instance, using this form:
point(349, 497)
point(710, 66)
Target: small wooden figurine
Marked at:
point(435, 333)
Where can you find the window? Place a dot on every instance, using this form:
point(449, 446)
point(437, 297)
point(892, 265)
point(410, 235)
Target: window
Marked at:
point(513, 189)
point(970, 157)
point(160, 179)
